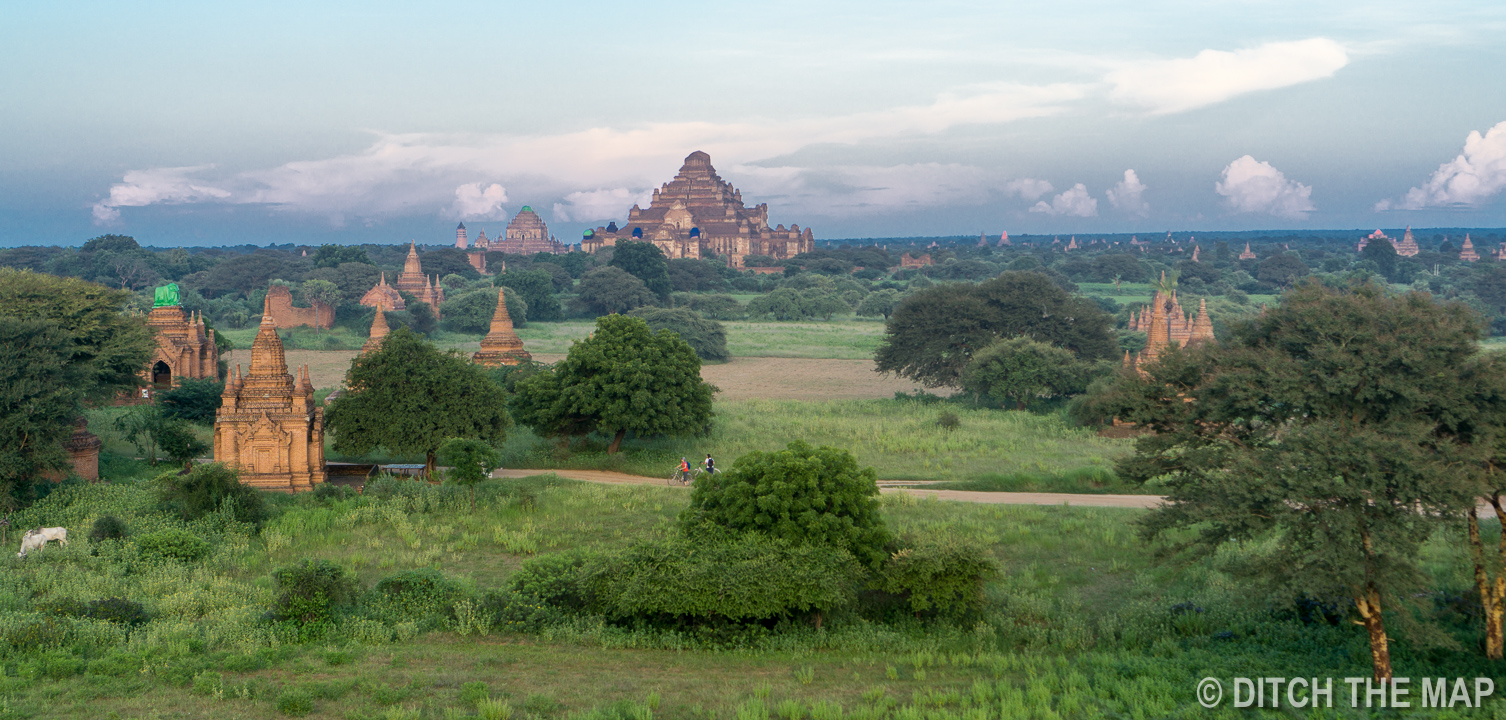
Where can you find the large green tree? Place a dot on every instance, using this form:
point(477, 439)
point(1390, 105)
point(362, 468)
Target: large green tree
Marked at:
point(645, 261)
point(934, 333)
point(707, 337)
point(622, 378)
point(409, 397)
point(110, 346)
point(1326, 432)
point(1021, 371)
point(610, 290)
point(40, 392)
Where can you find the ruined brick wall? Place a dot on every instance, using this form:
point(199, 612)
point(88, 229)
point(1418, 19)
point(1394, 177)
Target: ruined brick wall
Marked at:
point(284, 315)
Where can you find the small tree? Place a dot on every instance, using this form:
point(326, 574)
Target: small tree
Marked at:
point(647, 262)
point(409, 397)
point(194, 401)
point(610, 290)
point(879, 302)
point(1020, 370)
point(179, 444)
point(470, 461)
point(800, 494)
point(707, 337)
point(322, 291)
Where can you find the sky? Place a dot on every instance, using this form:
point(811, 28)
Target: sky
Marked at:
point(190, 123)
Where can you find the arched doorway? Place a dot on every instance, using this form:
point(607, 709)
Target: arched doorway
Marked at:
point(162, 375)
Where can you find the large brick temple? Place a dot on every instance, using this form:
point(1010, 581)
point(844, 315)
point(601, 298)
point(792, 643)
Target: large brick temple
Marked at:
point(185, 348)
point(268, 426)
point(698, 213)
point(526, 234)
point(411, 280)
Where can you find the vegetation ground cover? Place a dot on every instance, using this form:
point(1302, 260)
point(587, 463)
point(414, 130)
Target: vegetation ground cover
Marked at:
point(899, 439)
point(1080, 623)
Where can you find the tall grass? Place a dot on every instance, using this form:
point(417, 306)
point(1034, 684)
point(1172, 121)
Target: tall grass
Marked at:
point(900, 439)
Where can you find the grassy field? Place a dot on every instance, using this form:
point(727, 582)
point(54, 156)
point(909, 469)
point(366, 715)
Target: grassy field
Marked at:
point(1079, 623)
point(899, 439)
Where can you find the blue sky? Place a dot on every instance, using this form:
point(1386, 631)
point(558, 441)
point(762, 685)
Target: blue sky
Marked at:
point(203, 123)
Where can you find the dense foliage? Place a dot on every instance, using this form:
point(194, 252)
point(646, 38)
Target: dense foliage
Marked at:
point(645, 261)
point(1020, 371)
point(410, 397)
point(211, 488)
point(623, 378)
point(801, 495)
point(706, 337)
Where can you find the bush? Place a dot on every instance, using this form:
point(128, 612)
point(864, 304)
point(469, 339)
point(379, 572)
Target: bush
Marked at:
point(310, 593)
point(554, 579)
point(295, 702)
point(331, 491)
point(801, 495)
point(192, 401)
point(117, 610)
point(706, 337)
point(209, 489)
point(949, 421)
point(944, 577)
point(748, 577)
point(107, 527)
point(424, 596)
point(515, 612)
point(716, 307)
point(178, 545)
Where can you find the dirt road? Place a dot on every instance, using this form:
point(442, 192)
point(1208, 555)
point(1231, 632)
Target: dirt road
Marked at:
point(998, 498)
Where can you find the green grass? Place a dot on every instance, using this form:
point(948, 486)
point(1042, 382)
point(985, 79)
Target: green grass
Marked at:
point(301, 338)
point(1088, 480)
point(899, 439)
point(1080, 622)
point(850, 338)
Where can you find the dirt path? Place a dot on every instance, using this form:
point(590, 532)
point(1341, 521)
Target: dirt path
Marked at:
point(996, 498)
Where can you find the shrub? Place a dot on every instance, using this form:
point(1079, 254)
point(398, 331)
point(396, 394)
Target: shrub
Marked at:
point(941, 576)
point(295, 702)
point(748, 577)
point(707, 337)
point(949, 421)
point(554, 579)
point(310, 593)
point(331, 491)
point(192, 401)
point(107, 527)
point(178, 545)
point(424, 596)
point(716, 307)
point(512, 611)
point(117, 610)
point(801, 494)
point(209, 489)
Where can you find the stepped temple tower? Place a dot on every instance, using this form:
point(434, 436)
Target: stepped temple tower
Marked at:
point(1165, 324)
point(384, 296)
point(413, 281)
point(185, 348)
point(379, 330)
point(528, 235)
point(1247, 254)
point(1408, 245)
point(1468, 254)
point(501, 346)
point(698, 213)
point(268, 426)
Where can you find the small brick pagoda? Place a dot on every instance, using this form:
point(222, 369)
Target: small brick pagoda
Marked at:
point(413, 281)
point(268, 426)
point(501, 346)
point(379, 330)
point(384, 296)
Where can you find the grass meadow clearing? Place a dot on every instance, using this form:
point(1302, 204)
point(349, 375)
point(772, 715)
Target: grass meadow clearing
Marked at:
point(900, 439)
point(1079, 622)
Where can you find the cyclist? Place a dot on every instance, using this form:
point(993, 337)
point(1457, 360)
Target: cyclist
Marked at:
point(710, 465)
point(684, 470)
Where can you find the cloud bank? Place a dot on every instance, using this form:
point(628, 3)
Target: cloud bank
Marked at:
point(1470, 179)
point(1127, 196)
point(1074, 202)
point(1252, 186)
point(472, 202)
point(1213, 76)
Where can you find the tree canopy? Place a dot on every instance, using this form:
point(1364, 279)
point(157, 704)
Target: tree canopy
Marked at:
point(646, 262)
point(622, 378)
point(409, 397)
point(534, 286)
point(1330, 429)
point(934, 333)
point(707, 337)
point(1021, 371)
point(801, 494)
point(608, 290)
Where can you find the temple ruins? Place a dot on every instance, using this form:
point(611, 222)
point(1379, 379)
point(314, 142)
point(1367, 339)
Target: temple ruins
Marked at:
point(501, 346)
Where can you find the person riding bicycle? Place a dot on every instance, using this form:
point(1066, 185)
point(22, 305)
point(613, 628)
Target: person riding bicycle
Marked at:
point(710, 465)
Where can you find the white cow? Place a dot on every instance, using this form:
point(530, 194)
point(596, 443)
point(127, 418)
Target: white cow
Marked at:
point(37, 539)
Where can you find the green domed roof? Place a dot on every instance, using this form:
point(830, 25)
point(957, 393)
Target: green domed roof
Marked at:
point(526, 209)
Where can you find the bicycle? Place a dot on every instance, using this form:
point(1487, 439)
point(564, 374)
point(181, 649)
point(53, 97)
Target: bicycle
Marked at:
point(680, 477)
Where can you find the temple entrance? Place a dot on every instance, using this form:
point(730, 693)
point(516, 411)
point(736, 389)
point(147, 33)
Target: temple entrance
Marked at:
point(162, 375)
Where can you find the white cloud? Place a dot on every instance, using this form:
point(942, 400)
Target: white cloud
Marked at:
point(411, 174)
point(1128, 195)
point(168, 186)
point(472, 202)
point(599, 204)
point(1471, 178)
point(864, 190)
point(1027, 188)
point(1213, 76)
point(1253, 186)
point(1075, 201)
